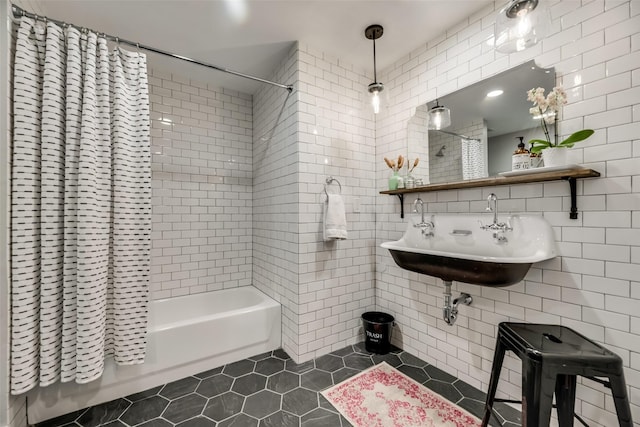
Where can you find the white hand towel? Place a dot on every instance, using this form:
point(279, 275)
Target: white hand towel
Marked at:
point(335, 220)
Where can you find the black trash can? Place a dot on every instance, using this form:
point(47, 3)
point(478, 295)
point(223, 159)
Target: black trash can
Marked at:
point(377, 331)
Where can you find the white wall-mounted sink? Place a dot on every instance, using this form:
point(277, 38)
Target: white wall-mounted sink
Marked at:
point(458, 248)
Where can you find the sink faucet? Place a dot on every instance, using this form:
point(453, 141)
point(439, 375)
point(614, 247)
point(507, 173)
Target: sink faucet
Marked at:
point(498, 228)
point(493, 198)
point(426, 226)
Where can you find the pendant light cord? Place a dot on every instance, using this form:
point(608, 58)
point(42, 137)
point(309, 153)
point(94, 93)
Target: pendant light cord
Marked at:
point(375, 76)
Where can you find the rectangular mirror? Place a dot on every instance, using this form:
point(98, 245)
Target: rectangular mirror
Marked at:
point(484, 131)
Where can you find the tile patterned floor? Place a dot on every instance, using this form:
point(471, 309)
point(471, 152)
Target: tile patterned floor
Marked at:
point(269, 390)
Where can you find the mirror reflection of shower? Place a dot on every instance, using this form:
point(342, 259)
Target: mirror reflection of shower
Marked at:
point(457, 156)
point(495, 121)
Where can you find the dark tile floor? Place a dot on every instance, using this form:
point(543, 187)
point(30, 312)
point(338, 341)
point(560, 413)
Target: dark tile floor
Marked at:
point(270, 390)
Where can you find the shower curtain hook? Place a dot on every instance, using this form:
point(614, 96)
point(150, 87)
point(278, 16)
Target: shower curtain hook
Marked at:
point(17, 14)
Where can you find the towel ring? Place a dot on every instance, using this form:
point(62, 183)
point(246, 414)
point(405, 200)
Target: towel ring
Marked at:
point(328, 182)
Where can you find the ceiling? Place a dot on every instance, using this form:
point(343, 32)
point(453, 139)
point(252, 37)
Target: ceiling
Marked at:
point(252, 36)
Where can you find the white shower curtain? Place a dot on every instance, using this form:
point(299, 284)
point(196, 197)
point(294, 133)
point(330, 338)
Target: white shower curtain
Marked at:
point(80, 206)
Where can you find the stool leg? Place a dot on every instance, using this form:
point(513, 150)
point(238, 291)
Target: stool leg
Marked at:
point(619, 391)
point(537, 394)
point(498, 357)
point(565, 399)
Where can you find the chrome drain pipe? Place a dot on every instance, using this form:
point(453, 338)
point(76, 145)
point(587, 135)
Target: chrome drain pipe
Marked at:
point(450, 311)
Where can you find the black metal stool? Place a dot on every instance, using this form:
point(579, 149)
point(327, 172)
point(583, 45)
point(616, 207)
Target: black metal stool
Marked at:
point(552, 356)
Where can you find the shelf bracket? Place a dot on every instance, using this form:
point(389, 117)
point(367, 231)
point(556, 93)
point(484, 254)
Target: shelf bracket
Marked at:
point(401, 197)
point(574, 205)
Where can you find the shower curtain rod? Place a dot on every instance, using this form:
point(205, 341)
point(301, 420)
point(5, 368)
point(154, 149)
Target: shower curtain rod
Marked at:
point(18, 13)
point(456, 134)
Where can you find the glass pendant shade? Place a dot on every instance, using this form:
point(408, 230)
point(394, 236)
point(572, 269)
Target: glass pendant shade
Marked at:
point(521, 24)
point(376, 98)
point(439, 118)
point(374, 32)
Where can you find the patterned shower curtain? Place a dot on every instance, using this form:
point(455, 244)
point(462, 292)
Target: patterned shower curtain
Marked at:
point(80, 206)
point(473, 159)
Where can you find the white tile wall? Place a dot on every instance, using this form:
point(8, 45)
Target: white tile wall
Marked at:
point(593, 286)
point(275, 202)
point(324, 131)
point(201, 162)
point(336, 137)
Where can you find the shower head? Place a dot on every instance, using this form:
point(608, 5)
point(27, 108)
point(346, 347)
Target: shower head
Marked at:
point(440, 152)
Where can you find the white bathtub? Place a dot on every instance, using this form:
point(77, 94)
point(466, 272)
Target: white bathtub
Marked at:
point(187, 335)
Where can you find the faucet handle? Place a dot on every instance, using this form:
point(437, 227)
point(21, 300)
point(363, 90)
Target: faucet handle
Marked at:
point(425, 224)
point(496, 226)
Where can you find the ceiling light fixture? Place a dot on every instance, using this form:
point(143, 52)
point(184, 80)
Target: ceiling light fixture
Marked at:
point(521, 24)
point(374, 32)
point(439, 117)
point(495, 93)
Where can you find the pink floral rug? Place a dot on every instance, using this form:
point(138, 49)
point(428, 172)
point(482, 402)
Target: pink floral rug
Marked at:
point(382, 396)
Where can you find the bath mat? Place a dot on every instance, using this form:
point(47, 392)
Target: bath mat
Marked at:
point(382, 396)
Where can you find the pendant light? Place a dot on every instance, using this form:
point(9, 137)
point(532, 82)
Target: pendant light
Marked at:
point(439, 117)
point(521, 24)
point(374, 32)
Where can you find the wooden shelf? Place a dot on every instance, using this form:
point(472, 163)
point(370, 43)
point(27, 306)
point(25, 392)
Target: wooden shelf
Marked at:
point(569, 175)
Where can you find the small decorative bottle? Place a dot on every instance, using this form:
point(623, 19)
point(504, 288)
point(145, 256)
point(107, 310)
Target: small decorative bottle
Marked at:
point(521, 159)
point(393, 181)
point(536, 158)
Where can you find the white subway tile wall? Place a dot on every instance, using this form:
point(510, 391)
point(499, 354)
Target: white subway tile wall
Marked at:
point(593, 285)
point(325, 130)
point(201, 138)
point(275, 203)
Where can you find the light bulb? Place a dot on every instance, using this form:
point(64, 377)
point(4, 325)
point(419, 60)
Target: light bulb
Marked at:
point(521, 24)
point(524, 26)
point(375, 101)
point(437, 121)
point(374, 90)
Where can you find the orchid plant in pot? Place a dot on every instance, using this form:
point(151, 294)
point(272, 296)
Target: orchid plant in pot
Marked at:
point(547, 108)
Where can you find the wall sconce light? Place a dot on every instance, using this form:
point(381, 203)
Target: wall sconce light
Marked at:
point(439, 117)
point(521, 24)
point(374, 32)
